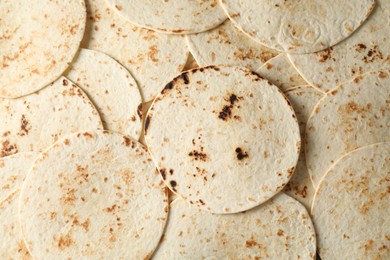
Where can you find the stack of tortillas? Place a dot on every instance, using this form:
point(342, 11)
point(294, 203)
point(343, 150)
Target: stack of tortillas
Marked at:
point(195, 129)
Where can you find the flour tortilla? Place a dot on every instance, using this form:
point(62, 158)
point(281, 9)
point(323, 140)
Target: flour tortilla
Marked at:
point(281, 72)
point(368, 49)
point(152, 58)
point(303, 99)
point(13, 170)
point(96, 195)
point(228, 45)
point(33, 122)
point(279, 229)
point(111, 88)
point(223, 138)
point(353, 115)
point(38, 40)
point(174, 17)
point(304, 26)
point(351, 210)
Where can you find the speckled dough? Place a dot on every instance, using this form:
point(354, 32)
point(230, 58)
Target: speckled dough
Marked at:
point(111, 88)
point(33, 122)
point(228, 45)
point(303, 26)
point(368, 49)
point(152, 58)
point(223, 138)
point(38, 40)
point(279, 229)
point(350, 116)
point(351, 206)
point(94, 195)
point(171, 16)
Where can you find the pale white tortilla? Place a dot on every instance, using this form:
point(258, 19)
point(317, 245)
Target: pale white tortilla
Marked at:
point(38, 40)
point(172, 16)
point(95, 195)
point(368, 49)
point(303, 26)
point(228, 45)
point(112, 90)
point(33, 122)
point(223, 138)
point(152, 58)
point(352, 115)
point(279, 229)
point(351, 206)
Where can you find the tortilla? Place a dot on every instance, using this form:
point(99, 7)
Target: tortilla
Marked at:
point(191, 63)
point(351, 206)
point(281, 72)
point(227, 45)
point(279, 229)
point(174, 17)
point(101, 199)
point(29, 59)
point(33, 122)
point(304, 26)
point(368, 49)
point(152, 58)
point(223, 138)
point(350, 116)
point(111, 88)
point(303, 99)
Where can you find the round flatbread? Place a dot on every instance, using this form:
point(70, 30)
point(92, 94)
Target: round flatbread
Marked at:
point(174, 17)
point(96, 195)
point(279, 229)
point(111, 88)
point(29, 60)
point(152, 58)
point(228, 45)
point(223, 138)
point(352, 115)
point(281, 72)
point(368, 49)
point(33, 122)
point(13, 170)
point(304, 26)
point(303, 99)
point(351, 206)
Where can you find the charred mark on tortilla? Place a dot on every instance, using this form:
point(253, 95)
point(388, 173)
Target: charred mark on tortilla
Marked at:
point(139, 111)
point(173, 185)
point(226, 112)
point(241, 154)
point(185, 78)
point(147, 122)
point(163, 173)
point(198, 155)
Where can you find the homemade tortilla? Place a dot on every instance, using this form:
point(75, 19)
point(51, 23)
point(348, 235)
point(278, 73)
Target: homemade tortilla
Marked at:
point(174, 17)
point(112, 90)
point(38, 40)
point(152, 58)
point(33, 122)
point(228, 45)
point(279, 229)
point(304, 26)
point(223, 138)
point(352, 115)
point(351, 206)
point(94, 195)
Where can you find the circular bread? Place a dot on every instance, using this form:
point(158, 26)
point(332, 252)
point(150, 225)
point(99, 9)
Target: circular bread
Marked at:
point(111, 88)
point(279, 229)
point(33, 122)
point(29, 60)
point(223, 138)
point(96, 195)
point(303, 99)
point(350, 116)
point(228, 45)
point(368, 49)
point(304, 26)
point(174, 17)
point(351, 206)
point(152, 58)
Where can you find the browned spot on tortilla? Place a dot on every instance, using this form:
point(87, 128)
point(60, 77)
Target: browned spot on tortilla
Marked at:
point(226, 112)
point(65, 82)
point(269, 66)
point(24, 126)
point(163, 173)
point(153, 51)
point(373, 54)
point(139, 111)
point(382, 75)
point(127, 141)
point(66, 142)
point(8, 148)
point(198, 155)
point(7, 133)
point(69, 197)
point(280, 232)
point(168, 87)
point(147, 122)
point(173, 185)
point(250, 243)
point(118, 7)
point(65, 241)
point(357, 79)
point(88, 135)
point(334, 92)
point(290, 172)
point(360, 47)
point(325, 55)
point(241, 154)
point(368, 245)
